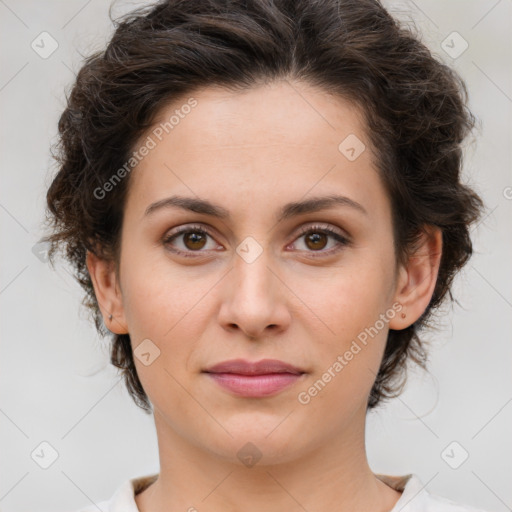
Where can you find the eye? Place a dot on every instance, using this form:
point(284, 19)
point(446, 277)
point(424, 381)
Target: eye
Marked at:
point(193, 239)
point(316, 238)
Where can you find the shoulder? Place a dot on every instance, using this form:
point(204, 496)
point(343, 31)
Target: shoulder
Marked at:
point(123, 499)
point(102, 505)
point(416, 498)
point(440, 504)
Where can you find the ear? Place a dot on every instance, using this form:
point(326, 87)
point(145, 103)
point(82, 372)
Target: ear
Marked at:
point(108, 292)
point(417, 279)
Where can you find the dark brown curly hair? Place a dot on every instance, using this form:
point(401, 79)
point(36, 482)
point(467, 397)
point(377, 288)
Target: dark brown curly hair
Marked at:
point(414, 107)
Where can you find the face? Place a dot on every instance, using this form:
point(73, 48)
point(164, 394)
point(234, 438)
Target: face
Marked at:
point(258, 270)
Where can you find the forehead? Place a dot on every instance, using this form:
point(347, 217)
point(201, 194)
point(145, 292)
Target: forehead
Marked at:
point(279, 112)
point(270, 141)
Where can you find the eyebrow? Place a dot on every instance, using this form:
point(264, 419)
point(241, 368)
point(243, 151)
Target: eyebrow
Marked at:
point(288, 211)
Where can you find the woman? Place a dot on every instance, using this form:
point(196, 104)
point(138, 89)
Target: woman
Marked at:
point(262, 202)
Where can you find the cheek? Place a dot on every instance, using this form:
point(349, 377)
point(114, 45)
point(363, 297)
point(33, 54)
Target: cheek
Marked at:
point(354, 296)
point(169, 315)
point(157, 295)
point(346, 368)
point(356, 306)
point(169, 307)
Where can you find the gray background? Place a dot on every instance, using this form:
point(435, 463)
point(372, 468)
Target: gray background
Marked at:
point(56, 383)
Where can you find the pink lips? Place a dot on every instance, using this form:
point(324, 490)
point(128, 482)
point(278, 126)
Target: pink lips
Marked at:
point(259, 379)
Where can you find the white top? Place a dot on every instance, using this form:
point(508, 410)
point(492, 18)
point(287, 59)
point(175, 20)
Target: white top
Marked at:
point(414, 498)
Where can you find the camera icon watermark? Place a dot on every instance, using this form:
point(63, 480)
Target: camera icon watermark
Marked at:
point(249, 454)
point(454, 455)
point(249, 249)
point(147, 352)
point(44, 455)
point(40, 251)
point(44, 45)
point(351, 147)
point(454, 45)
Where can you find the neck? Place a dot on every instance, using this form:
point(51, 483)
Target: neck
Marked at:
point(335, 475)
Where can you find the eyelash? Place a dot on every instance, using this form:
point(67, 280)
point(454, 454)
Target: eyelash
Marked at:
point(342, 240)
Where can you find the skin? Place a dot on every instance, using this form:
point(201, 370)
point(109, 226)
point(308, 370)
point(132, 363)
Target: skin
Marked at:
point(252, 152)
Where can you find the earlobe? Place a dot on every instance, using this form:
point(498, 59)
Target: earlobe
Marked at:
point(108, 293)
point(417, 280)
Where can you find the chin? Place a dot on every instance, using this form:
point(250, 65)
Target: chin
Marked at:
point(266, 444)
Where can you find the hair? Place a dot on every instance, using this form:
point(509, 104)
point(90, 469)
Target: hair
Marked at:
point(414, 109)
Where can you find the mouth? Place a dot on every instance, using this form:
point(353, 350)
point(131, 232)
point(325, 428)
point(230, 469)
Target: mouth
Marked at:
point(254, 379)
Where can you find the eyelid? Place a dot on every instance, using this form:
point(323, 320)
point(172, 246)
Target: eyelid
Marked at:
point(323, 227)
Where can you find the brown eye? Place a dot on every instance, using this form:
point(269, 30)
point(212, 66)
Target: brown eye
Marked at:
point(194, 240)
point(188, 241)
point(321, 241)
point(316, 241)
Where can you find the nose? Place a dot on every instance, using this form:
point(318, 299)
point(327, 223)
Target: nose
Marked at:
point(254, 299)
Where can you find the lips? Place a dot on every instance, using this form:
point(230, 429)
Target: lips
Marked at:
point(254, 379)
point(263, 367)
